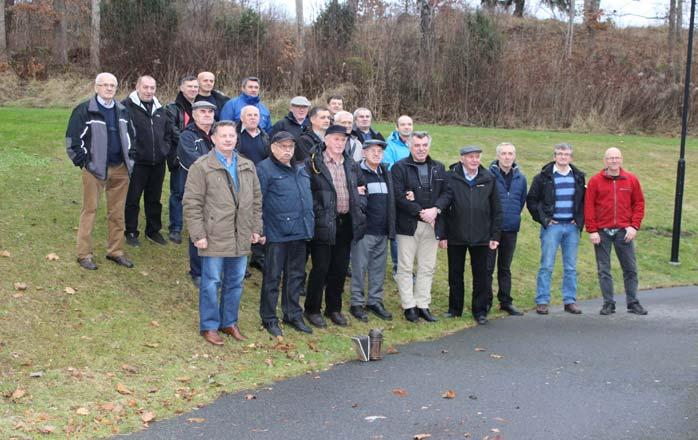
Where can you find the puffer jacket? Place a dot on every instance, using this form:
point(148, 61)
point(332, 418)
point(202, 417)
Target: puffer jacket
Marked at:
point(540, 200)
point(513, 200)
point(178, 113)
point(86, 139)
point(396, 149)
point(325, 199)
point(153, 131)
point(288, 123)
point(214, 210)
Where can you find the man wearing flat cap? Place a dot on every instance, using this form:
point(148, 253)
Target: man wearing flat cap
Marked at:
point(194, 142)
point(473, 224)
point(296, 120)
point(339, 204)
point(287, 212)
point(368, 255)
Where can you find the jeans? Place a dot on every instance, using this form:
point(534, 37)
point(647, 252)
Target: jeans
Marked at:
point(502, 257)
point(146, 180)
point(287, 258)
point(626, 257)
point(178, 177)
point(565, 236)
point(368, 258)
point(226, 274)
point(481, 299)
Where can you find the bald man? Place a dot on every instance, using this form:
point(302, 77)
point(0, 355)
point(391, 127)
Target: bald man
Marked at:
point(207, 82)
point(98, 140)
point(613, 210)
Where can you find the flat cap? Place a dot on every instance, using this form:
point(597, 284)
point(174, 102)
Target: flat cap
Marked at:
point(371, 142)
point(300, 101)
point(337, 129)
point(282, 136)
point(203, 104)
point(470, 149)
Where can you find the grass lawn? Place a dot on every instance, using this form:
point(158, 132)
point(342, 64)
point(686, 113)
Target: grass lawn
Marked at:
point(88, 354)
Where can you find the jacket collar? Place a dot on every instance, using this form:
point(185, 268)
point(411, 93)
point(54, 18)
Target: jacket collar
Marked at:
point(136, 100)
point(183, 103)
point(213, 162)
point(92, 106)
point(547, 170)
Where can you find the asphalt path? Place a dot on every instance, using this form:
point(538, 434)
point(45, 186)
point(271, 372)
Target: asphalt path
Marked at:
point(533, 377)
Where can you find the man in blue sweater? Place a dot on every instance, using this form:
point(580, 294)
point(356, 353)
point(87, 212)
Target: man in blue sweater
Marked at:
point(249, 96)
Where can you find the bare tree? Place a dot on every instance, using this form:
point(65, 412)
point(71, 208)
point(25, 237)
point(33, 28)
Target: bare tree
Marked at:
point(570, 28)
point(60, 31)
point(95, 37)
point(519, 7)
point(297, 74)
point(3, 39)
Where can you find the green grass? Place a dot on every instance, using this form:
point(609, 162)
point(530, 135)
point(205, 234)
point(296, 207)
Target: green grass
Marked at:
point(139, 327)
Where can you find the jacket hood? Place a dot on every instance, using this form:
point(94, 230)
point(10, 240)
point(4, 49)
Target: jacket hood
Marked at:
point(250, 100)
point(136, 100)
point(395, 137)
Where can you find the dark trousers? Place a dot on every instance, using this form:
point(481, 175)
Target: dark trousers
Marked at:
point(178, 176)
point(626, 257)
point(502, 257)
point(146, 180)
point(286, 258)
point(482, 296)
point(194, 258)
point(329, 270)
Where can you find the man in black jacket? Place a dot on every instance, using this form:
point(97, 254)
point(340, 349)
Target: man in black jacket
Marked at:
point(207, 82)
point(473, 224)
point(296, 120)
point(179, 113)
point(339, 205)
point(314, 134)
point(152, 145)
point(421, 194)
point(362, 126)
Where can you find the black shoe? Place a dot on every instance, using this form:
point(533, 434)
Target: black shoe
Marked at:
point(637, 309)
point(481, 320)
point(256, 264)
point(450, 314)
point(196, 281)
point(316, 319)
point(426, 314)
point(510, 309)
point(411, 314)
point(337, 318)
point(157, 238)
point(379, 310)
point(299, 325)
point(132, 239)
point(607, 308)
point(120, 260)
point(359, 313)
point(175, 237)
point(87, 263)
point(273, 329)
point(248, 274)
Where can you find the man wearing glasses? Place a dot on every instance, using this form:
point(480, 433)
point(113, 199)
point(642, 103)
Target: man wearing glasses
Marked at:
point(98, 140)
point(556, 201)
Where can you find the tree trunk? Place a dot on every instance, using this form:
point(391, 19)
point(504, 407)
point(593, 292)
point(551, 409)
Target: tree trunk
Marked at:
point(678, 27)
point(3, 39)
point(519, 7)
point(426, 27)
point(95, 36)
point(297, 75)
point(60, 31)
point(570, 30)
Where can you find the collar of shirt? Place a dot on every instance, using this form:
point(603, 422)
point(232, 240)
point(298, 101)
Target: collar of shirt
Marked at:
point(327, 159)
point(103, 103)
point(365, 166)
point(468, 176)
point(557, 170)
point(231, 167)
point(250, 133)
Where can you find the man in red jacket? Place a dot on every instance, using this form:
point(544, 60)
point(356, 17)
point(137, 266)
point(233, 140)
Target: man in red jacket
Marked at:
point(613, 210)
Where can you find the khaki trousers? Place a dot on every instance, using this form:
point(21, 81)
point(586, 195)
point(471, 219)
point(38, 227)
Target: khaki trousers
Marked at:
point(116, 188)
point(422, 246)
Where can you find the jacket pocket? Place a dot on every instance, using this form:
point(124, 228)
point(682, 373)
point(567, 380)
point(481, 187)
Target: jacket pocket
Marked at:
point(289, 223)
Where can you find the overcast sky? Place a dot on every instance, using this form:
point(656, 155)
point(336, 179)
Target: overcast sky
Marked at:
point(623, 12)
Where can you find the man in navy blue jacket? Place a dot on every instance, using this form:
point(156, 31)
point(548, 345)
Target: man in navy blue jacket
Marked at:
point(512, 187)
point(287, 213)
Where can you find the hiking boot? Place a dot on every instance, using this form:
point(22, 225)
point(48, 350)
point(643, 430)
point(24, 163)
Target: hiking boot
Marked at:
point(607, 308)
point(637, 309)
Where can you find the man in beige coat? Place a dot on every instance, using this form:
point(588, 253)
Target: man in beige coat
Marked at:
point(223, 209)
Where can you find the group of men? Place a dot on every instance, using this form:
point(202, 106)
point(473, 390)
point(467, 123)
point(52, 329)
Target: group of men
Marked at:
point(322, 184)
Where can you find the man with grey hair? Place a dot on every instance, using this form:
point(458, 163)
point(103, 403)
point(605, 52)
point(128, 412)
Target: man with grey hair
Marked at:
point(98, 140)
point(556, 201)
point(511, 186)
point(353, 148)
point(421, 194)
point(296, 121)
point(362, 126)
point(613, 210)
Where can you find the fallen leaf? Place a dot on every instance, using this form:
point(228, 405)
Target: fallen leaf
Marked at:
point(82, 411)
point(250, 397)
point(52, 257)
point(129, 368)
point(480, 349)
point(154, 323)
point(48, 429)
point(354, 405)
point(151, 345)
point(20, 286)
point(184, 379)
point(268, 362)
point(391, 350)
point(107, 406)
point(421, 436)
point(312, 345)
point(5, 254)
point(279, 339)
point(495, 430)
point(18, 394)
point(132, 403)
point(444, 351)
point(148, 416)
point(69, 290)
point(450, 394)
point(153, 390)
point(399, 392)
point(196, 420)
point(472, 397)
point(496, 356)
point(36, 374)
point(18, 295)
point(468, 435)
point(121, 389)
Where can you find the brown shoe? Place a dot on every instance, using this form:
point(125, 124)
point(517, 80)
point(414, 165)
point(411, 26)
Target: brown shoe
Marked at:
point(212, 337)
point(573, 309)
point(234, 332)
point(542, 309)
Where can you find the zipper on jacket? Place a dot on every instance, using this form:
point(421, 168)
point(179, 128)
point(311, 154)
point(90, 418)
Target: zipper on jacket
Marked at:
point(615, 205)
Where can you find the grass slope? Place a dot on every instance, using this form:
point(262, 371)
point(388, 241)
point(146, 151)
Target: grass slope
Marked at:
point(125, 346)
